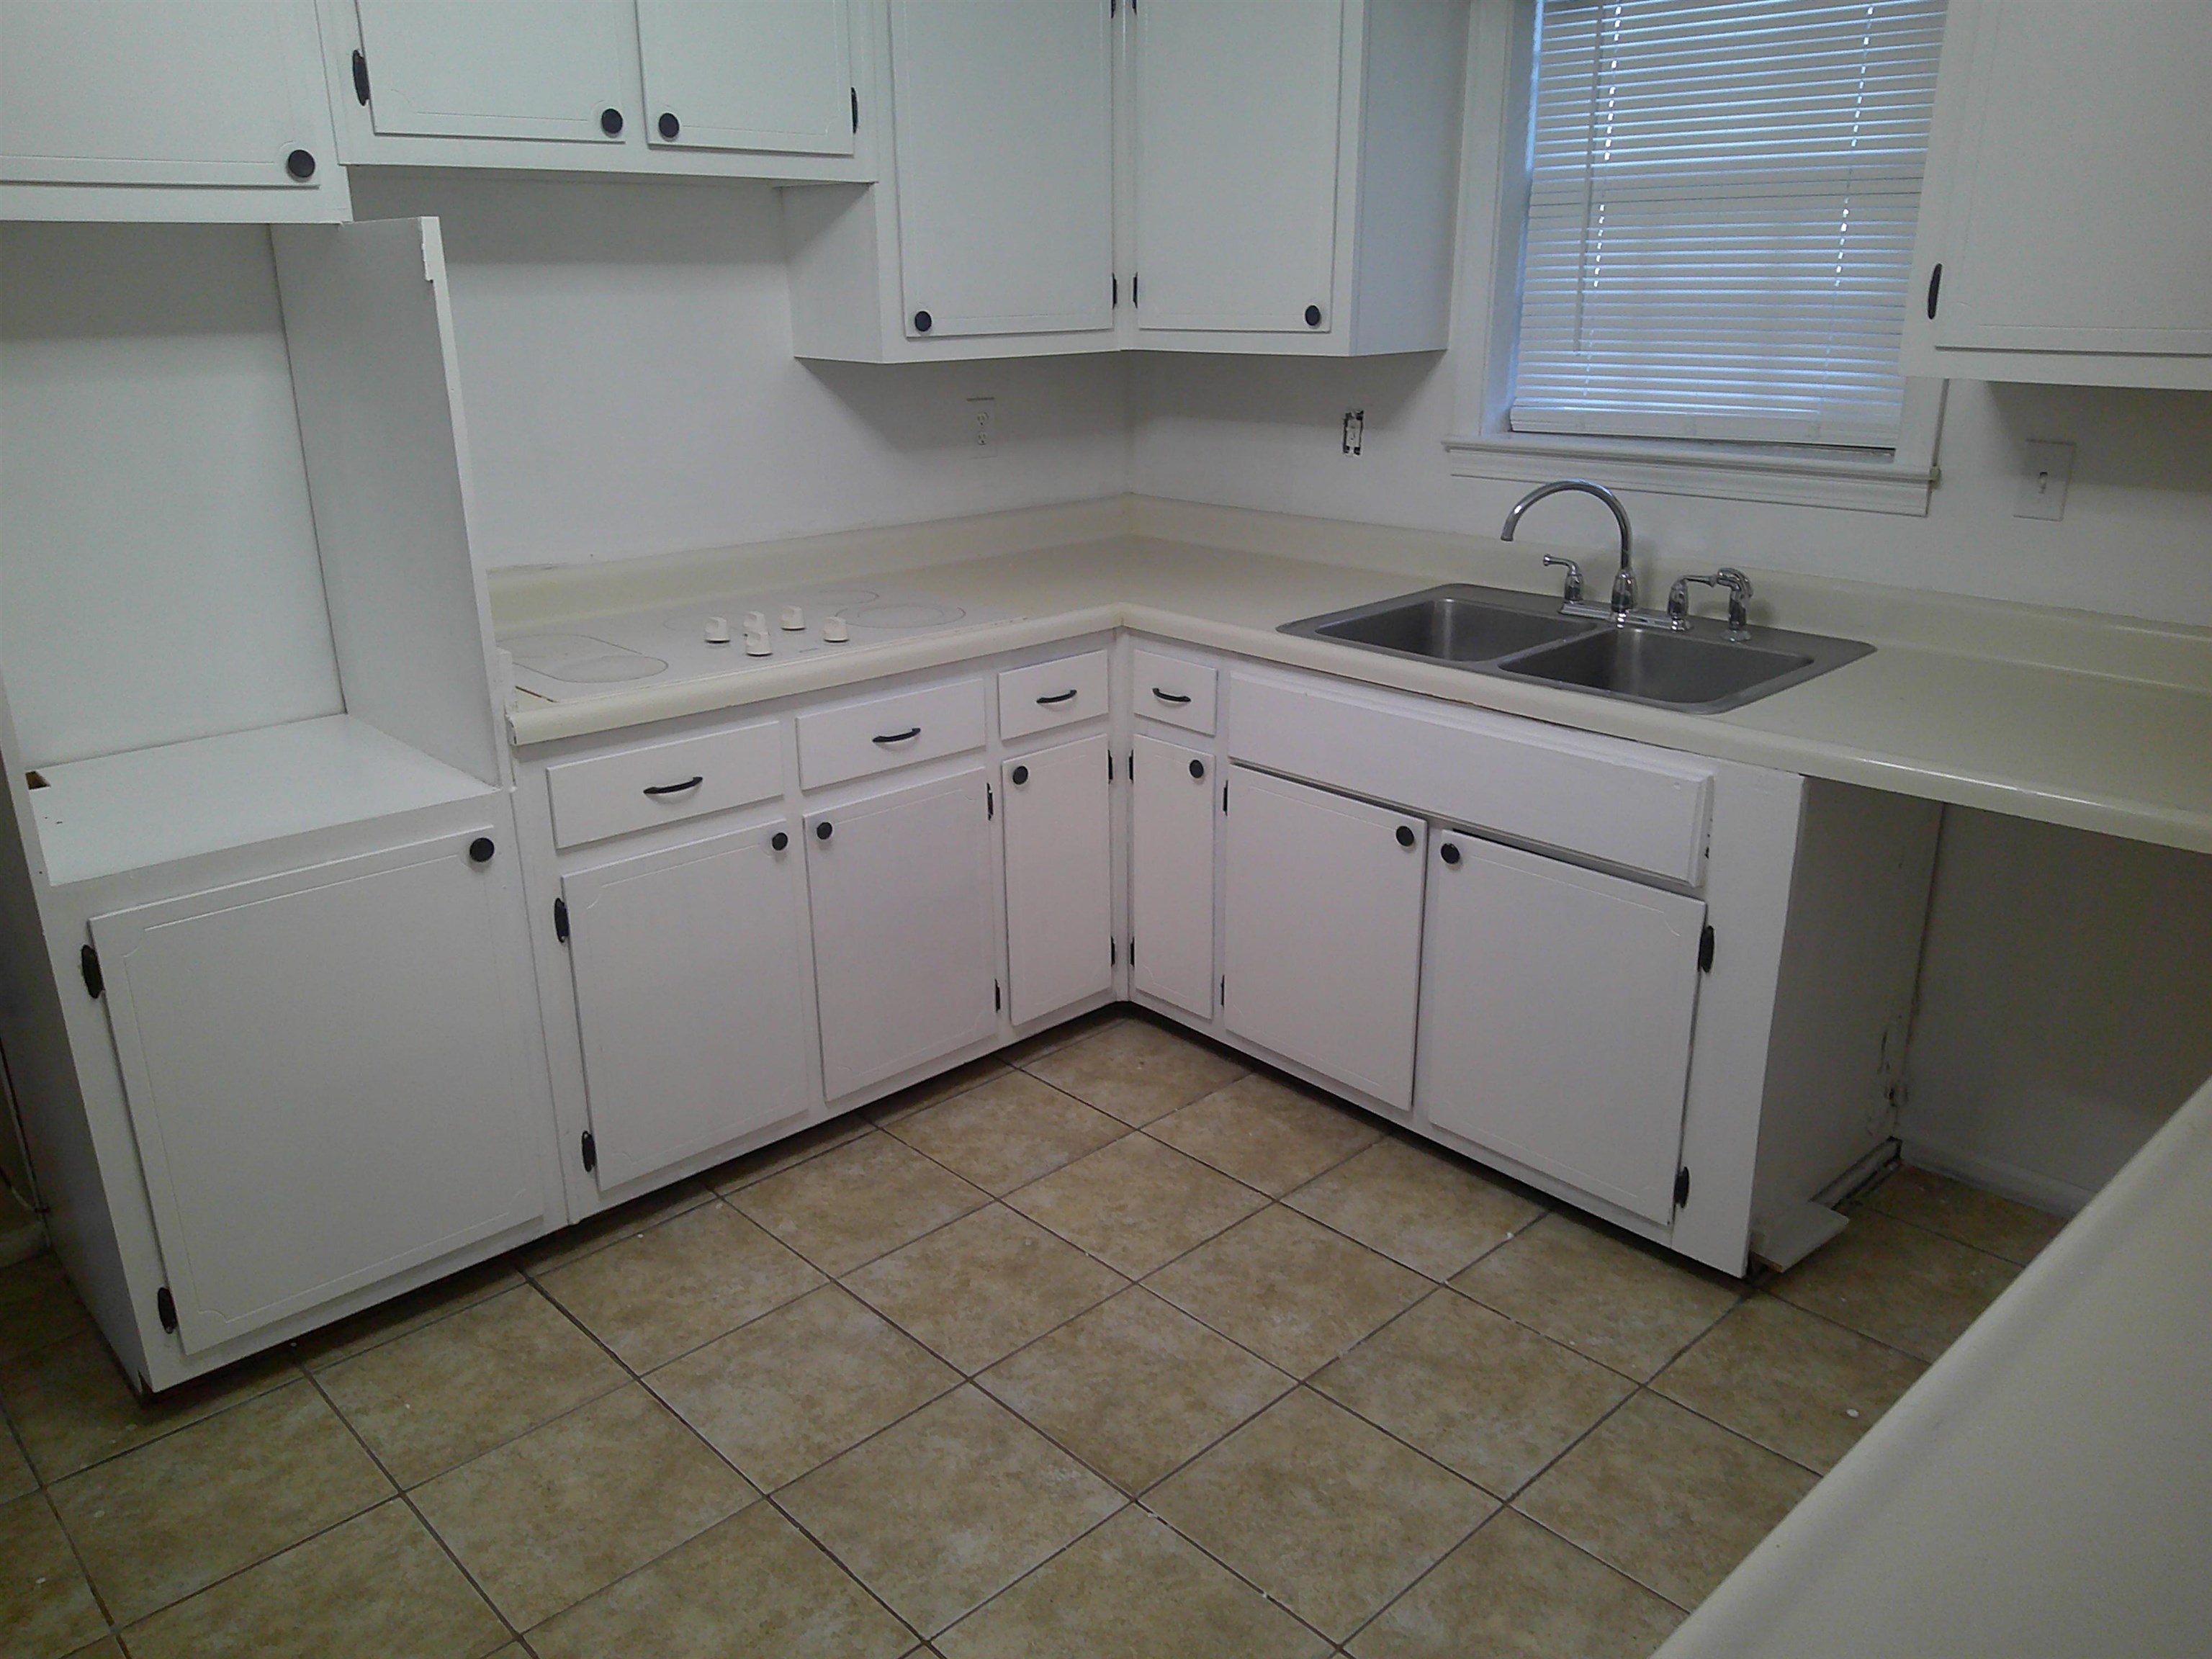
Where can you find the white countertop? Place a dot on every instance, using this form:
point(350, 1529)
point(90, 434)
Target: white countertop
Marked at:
point(2101, 724)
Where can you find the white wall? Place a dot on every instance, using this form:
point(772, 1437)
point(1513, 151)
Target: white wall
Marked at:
point(627, 373)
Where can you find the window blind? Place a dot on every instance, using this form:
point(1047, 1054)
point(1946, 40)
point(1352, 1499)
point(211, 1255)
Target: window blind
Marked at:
point(1721, 211)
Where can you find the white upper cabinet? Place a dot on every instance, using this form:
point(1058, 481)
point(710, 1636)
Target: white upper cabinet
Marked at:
point(758, 75)
point(139, 109)
point(496, 69)
point(2066, 205)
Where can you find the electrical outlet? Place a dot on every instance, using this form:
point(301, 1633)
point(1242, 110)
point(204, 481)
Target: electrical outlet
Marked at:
point(982, 434)
point(2043, 485)
point(1355, 431)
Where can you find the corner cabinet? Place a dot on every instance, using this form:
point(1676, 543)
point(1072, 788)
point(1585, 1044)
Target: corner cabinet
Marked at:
point(2064, 232)
point(1172, 792)
point(1059, 877)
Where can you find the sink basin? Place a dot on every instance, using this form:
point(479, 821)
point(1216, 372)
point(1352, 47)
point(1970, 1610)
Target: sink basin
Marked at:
point(1679, 670)
point(1447, 626)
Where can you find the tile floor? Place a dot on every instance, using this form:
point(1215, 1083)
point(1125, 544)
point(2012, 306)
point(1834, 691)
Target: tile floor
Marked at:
point(1121, 1349)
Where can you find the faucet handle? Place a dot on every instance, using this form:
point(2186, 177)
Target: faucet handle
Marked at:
point(1739, 591)
point(1574, 593)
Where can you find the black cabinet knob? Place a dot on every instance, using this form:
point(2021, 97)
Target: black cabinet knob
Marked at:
point(921, 322)
point(610, 122)
point(1450, 853)
point(670, 126)
point(481, 849)
point(822, 830)
point(1312, 316)
point(778, 841)
point(1405, 835)
point(300, 165)
point(1021, 775)
point(1198, 769)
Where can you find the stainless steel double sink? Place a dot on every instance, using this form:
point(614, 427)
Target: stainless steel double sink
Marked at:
point(1515, 635)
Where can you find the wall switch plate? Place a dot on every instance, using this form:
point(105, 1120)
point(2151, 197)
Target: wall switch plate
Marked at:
point(1355, 431)
point(982, 438)
point(2043, 485)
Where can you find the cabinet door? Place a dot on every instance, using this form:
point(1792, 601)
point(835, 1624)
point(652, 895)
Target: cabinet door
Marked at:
point(691, 992)
point(2076, 218)
point(498, 68)
point(1171, 795)
point(905, 928)
point(1321, 944)
point(1060, 878)
point(1236, 145)
point(1004, 166)
point(326, 1075)
point(1556, 1012)
point(759, 75)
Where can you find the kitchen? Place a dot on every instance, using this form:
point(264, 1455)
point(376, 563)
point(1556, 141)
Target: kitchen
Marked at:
point(346, 513)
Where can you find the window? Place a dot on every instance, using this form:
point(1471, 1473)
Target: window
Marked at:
point(1721, 195)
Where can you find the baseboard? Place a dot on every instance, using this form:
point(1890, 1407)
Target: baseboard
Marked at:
point(2030, 1187)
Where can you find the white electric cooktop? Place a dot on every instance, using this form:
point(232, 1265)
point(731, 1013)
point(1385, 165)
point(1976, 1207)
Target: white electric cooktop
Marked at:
point(727, 636)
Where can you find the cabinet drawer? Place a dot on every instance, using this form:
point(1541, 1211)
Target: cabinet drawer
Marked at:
point(1172, 690)
point(1049, 694)
point(664, 782)
point(856, 739)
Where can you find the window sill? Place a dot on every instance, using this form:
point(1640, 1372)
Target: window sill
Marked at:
point(1899, 485)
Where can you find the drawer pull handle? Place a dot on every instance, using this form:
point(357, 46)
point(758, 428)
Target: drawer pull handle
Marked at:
point(1058, 697)
point(1171, 696)
point(673, 788)
point(907, 736)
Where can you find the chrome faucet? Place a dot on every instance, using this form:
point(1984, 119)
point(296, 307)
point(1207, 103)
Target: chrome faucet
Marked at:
point(1624, 583)
point(1738, 593)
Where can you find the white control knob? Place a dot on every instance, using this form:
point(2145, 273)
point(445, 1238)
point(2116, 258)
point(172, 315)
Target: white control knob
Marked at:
point(756, 645)
point(718, 631)
point(756, 622)
point(835, 630)
point(794, 617)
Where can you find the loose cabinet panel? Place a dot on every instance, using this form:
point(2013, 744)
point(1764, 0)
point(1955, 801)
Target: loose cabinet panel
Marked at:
point(325, 1076)
point(1322, 940)
point(1004, 117)
point(545, 70)
point(691, 994)
point(1556, 1012)
point(1172, 791)
point(905, 928)
point(1060, 878)
point(761, 74)
point(1237, 105)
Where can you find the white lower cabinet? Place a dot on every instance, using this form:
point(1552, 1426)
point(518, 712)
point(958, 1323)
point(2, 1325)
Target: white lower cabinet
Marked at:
point(1322, 945)
point(691, 996)
point(1556, 1012)
point(1060, 878)
point(905, 928)
point(1171, 797)
point(325, 1075)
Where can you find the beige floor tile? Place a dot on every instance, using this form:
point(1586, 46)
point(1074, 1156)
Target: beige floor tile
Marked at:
point(320, 1350)
point(1796, 1384)
point(72, 1406)
point(46, 1608)
point(1135, 1387)
point(1132, 1590)
point(627, 1221)
point(751, 1587)
point(1515, 1591)
point(1135, 1203)
point(37, 1307)
point(1612, 1302)
point(917, 1096)
point(1897, 1284)
point(1068, 1031)
point(788, 1152)
point(378, 1584)
point(1325, 1513)
point(1999, 1225)
point(440, 1395)
point(1137, 1070)
point(976, 1291)
point(797, 1386)
point(943, 1510)
point(160, 1523)
point(543, 1521)
point(858, 1201)
point(678, 1285)
point(1293, 1292)
point(1005, 1132)
point(106, 1648)
point(16, 1476)
point(1416, 1204)
point(1476, 1391)
point(1672, 1500)
point(1268, 1134)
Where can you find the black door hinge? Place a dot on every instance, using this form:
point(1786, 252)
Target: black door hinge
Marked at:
point(165, 1309)
point(1705, 950)
point(990, 803)
point(1224, 800)
point(1110, 766)
point(1681, 1186)
point(1133, 950)
point(856, 109)
point(1132, 275)
point(1117, 288)
point(997, 997)
point(561, 919)
point(1934, 287)
point(590, 1152)
point(1225, 990)
point(1133, 766)
point(1112, 952)
point(360, 77)
point(89, 960)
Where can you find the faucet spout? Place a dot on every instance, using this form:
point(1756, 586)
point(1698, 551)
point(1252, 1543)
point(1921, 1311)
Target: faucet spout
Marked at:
point(1624, 583)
